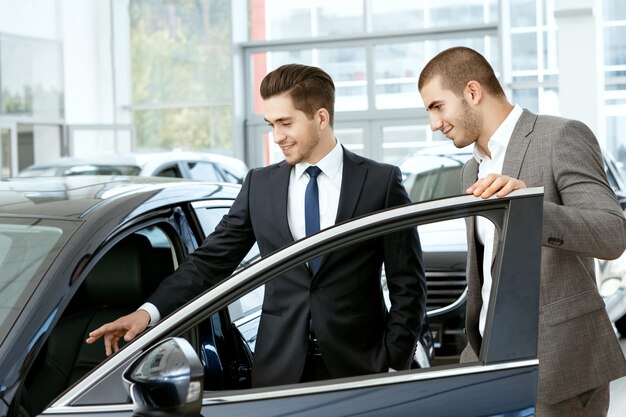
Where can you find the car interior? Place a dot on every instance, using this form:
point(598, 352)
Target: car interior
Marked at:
point(120, 282)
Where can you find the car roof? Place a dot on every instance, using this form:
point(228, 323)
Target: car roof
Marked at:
point(144, 160)
point(69, 161)
point(156, 158)
point(78, 197)
point(445, 149)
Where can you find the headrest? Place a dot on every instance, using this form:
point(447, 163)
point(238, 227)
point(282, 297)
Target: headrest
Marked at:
point(125, 276)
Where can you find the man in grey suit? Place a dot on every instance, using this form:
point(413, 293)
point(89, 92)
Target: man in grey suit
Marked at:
point(326, 319)
point(513, 148)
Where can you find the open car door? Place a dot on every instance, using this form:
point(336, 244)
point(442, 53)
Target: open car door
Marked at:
point(502, 382)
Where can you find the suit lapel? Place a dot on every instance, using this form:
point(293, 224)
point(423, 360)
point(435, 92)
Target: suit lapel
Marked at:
point(469, 174)
point(518, 144)
point(354, 174)
point(280, 191)
point(515, 154)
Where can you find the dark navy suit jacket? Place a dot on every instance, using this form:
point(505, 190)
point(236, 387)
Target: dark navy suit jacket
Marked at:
point(356, 333)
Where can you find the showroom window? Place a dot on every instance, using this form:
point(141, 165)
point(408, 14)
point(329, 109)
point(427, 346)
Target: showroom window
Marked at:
point(31, 77)
point(615, 77)
point(375, 66)
point(182, 74)
point(533, 42)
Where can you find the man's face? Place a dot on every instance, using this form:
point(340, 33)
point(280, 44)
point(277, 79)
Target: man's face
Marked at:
point(296, 134)
point(451, 114)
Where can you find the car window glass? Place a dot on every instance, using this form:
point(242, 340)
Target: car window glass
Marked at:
point(206, 171)
point(209, 218)
point(23, 250)
point(438, 183)
point(169, 172)
point(431, 177)
point(230, 177)
point(445, 272)
point(118, 283)
point(614, 175)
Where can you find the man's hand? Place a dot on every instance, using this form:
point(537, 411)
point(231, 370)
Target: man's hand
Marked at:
point(500, 185)
point(126, 326)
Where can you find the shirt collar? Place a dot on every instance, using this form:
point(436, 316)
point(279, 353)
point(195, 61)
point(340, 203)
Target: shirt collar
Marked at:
point(500, 138)
point(330, 164)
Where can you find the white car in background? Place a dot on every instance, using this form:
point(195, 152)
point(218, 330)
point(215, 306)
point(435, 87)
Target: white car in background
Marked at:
point(175, 164)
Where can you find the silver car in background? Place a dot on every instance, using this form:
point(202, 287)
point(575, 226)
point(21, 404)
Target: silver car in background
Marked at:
point(175, 164)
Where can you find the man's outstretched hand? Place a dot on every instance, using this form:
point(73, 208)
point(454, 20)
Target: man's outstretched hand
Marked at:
point(126, 327)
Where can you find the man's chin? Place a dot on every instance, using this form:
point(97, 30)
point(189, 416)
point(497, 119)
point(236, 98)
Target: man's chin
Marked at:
point(292, 160)
point(462, 143)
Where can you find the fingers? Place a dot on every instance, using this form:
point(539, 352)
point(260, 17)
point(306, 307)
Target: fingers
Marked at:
point(510, 186)
point(501, 185)
point(100, 331)
point(126, 327)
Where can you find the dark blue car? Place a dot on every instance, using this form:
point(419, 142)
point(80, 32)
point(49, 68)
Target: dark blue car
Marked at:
point(77, 252)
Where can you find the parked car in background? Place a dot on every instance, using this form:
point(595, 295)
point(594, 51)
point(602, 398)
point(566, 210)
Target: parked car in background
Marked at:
point(433, 173)
point(78, 251)
point(175, 164)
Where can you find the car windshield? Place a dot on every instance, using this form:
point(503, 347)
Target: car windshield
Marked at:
point(25, 250)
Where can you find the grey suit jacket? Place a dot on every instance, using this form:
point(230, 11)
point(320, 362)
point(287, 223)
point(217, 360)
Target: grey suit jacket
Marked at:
point(582, 219)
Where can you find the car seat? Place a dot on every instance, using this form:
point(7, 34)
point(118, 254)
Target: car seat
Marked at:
point(118, 284)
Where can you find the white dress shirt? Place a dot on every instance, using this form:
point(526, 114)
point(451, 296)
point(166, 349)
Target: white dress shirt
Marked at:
point(485, 229)
point(329, 187)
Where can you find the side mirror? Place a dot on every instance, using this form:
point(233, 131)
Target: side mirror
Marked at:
point(167, 380)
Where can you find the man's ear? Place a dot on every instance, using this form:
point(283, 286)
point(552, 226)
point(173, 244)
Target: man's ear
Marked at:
point(323, 117)
point(473, 92)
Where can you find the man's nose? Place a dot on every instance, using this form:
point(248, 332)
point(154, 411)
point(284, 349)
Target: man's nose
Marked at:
point(435, 122)
point(278, 135)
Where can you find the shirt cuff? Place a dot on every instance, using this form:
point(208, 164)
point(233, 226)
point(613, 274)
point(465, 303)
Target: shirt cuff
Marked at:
point(155, 316)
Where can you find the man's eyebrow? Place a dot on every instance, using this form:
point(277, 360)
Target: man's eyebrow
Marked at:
point(433, 104)
point(280, 119)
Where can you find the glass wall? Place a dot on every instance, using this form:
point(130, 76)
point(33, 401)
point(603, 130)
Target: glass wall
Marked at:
point(374, 51)
point(615, 77)
point(533, 38)
point(330, 18)
point(182, 74)
point(31, 77)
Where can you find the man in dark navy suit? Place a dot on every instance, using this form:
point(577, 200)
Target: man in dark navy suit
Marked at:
point(326, 318)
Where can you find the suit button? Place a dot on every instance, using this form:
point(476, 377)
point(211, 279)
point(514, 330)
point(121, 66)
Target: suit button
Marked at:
point(315, 289)
point(555, 241)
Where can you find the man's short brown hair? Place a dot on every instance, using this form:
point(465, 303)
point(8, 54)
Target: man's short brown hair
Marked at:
point(456, 67)
point(310, 88)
